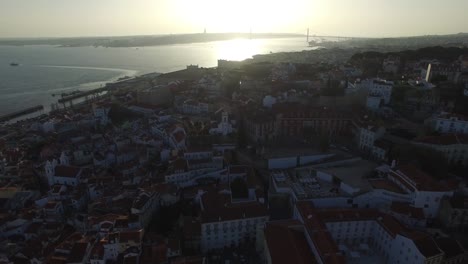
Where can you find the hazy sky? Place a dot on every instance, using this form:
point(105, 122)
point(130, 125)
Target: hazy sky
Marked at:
point(59, 18)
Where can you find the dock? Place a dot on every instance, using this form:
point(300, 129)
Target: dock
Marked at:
point(16, 114)
point(82, 94)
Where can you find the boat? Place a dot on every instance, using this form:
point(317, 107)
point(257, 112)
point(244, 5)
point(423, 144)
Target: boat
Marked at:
point(13, 64)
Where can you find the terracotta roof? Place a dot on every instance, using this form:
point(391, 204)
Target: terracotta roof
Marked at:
point(321, 237)
point(287, 243)
point(97, 252)
point(188, 260)
point(386, 185)
point(93, 220)
point(450, 247)
point(407, 209)
point(130, 259)
point(132, 235)
point(448, 139)
point(421, 180)
point(289, 110)
point(218, 207)
point(426, 245)
point(179, 136)
point(180, 164)
point(141, 200)
point(383, 144)
point(78, 252)
point(192, 227)
point(314, 221)
point(51, 204)
point(33, 228)
point(67, 171)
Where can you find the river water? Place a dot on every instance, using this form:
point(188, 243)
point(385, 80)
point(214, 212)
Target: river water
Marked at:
point(47, 70)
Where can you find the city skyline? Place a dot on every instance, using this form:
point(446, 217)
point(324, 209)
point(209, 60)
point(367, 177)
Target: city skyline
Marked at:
point(361, 18)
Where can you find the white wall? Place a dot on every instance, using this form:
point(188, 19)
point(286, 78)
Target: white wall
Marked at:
point(282, 163)
point(303, 160)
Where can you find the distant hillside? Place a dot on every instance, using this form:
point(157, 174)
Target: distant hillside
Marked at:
point(447, 54)
point(454, 40)
point(140, 41)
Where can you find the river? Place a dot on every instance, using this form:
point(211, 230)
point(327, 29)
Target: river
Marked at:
point(47, 70)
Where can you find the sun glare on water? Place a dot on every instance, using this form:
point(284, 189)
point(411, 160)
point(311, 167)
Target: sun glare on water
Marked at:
point(237, 49)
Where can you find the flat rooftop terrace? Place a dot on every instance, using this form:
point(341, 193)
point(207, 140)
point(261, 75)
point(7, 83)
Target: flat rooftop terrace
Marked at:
point(386, 184)
point(354, 174)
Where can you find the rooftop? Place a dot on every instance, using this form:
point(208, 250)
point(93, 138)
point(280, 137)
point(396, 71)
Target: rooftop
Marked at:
point(386, 184)
point(449, 139)
point(287, 243)
point(218, 207)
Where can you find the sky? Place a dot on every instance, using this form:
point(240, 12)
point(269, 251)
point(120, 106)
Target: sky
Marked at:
point(359, 18)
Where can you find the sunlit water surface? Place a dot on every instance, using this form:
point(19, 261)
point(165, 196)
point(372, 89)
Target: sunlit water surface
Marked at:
point(47, 70)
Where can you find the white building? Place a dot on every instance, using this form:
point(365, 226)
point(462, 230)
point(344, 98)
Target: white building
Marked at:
point(377, 88)
point(269, 101)
point(349, 235)
point(193, 107)
point(224, 127)
point(101, 114)
point(425, 192)
point(113, 244)
point(62, 173)
point(391, 64)
point(144, 206)
point(373, 102)
point(449, 123)
point(225, 222)
point(368, 135)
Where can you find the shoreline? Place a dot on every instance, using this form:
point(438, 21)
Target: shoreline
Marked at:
point(83, 87)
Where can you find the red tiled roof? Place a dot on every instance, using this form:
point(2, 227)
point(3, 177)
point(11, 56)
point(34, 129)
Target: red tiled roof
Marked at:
point(179, 136)
point(386, 185)
point(78, 252)
point(33, 228)
point(188, 260)
point(97, 251)
point(287, 243)
point(449, 139)
point(406, 209)
point(422, 181)
point(51, 205)
point(317, 231)
point(218, 207)
point(133, 235)
point(180, 165)
point(425, 244)
point(450, 247)
point(314, 221)
point(67, 171)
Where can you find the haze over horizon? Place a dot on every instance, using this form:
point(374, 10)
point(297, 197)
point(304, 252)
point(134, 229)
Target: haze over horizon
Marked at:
point(360, 18)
